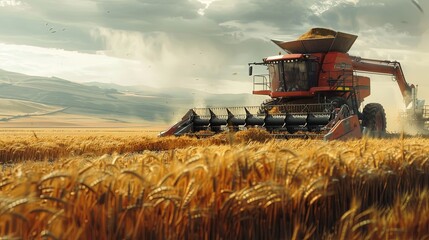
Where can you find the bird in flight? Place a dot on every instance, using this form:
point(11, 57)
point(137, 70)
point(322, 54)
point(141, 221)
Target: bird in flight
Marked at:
point(417, 4)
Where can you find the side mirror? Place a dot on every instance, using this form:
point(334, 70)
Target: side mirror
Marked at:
point(250, 70)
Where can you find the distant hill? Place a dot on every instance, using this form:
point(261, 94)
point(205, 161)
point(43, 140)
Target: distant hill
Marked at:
point(26, 96)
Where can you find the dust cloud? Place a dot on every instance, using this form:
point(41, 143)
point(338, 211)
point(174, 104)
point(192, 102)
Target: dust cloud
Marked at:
point(386, 92)
point(384, 88)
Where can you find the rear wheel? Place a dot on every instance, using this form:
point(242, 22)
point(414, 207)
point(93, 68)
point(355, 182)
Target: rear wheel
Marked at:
point(374, 120)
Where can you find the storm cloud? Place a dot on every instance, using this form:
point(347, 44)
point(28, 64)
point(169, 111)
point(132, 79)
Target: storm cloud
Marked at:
point(205, 44)
point(27, 22)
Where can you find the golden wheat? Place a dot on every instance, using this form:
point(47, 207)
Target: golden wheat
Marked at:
point(243, 185)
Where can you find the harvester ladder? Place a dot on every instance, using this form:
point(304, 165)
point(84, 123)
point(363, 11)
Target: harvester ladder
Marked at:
point(353, 95)
point(426, 117)
point(426, 112)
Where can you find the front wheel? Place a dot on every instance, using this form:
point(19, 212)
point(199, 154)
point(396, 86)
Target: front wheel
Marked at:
point(374, 120)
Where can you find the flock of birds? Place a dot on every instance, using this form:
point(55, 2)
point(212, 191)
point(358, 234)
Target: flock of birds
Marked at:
point(51, 29)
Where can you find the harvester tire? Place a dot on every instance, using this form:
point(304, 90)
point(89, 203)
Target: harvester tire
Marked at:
point(374, 120)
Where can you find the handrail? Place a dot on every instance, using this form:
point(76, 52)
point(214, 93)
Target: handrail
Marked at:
point(344, 81)
point(265, 83)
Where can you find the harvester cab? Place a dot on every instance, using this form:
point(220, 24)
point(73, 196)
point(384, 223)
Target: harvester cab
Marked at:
point(315, 92)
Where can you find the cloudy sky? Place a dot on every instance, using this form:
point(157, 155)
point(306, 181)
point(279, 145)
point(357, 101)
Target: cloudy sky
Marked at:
point(202, 44)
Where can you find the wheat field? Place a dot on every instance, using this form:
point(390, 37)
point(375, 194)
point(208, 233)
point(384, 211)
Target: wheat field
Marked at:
point(129, 185)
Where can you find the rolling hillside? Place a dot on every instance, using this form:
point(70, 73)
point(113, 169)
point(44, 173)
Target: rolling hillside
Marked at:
point(23, 96)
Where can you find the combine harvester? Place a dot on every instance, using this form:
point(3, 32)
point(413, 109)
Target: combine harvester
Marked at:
point(315, 92)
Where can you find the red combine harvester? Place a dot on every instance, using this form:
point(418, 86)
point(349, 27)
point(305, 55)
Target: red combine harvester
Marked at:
point(315, 92)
